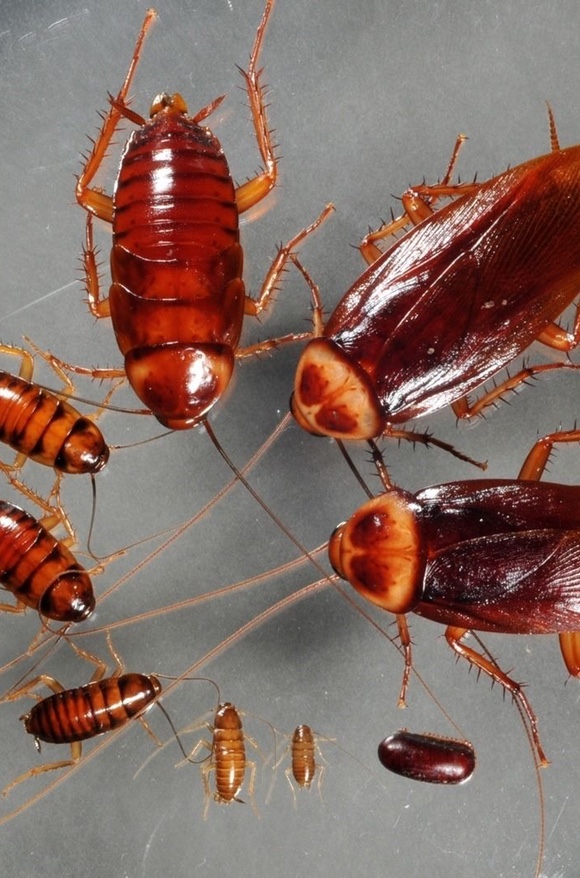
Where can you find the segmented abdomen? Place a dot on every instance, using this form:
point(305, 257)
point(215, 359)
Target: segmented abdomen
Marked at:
point(77, 714)
point(303, 762)
point(47, 429)
point(174, 197)
point(39, 570)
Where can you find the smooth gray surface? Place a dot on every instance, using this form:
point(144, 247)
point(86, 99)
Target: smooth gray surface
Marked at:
point(366, 98)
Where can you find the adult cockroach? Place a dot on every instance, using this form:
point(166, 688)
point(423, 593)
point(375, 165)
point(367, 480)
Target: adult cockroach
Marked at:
point(427, 757)
point(499, 555)
point(40, 570)
point(177, 299)
point(451, 303)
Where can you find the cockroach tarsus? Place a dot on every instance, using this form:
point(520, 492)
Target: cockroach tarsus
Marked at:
point(177, 299)
point(427, 757)
point(451, 303)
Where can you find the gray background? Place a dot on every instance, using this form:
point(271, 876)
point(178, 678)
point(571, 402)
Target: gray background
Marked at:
point(366, 99)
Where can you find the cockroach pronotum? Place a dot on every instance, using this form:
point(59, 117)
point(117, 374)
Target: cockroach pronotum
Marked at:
point(71, 716)
point(499, 555)
point(177, 299)
point(451, 303)
point(40, 570)
point(41, 426)
point(427, 757)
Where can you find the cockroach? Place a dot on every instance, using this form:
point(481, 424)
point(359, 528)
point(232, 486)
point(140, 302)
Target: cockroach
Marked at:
point(303, 761)
point(427, 757)
point(41, 426)
point(177, 299)
point(499, 555)
point(450, 303)
point(228, 757)
point(71, 716)
point(40, 570)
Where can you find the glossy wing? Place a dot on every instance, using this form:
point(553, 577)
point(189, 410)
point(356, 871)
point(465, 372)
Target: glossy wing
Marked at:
point(456, 512)
point(524, 582)
point(467, 290)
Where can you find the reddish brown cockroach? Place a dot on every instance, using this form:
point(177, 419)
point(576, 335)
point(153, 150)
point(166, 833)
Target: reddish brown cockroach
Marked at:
point(71, 716)
point(40, 570)
point(499, 555)
point(177, 300)
point(43, 427)
point(451, 303)
point(427, 757)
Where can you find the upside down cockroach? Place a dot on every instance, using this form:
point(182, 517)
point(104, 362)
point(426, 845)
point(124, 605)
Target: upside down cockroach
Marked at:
point(40, 570)
point(499, 555)
point(427, 757)
point(451, 303)
point(177, 299)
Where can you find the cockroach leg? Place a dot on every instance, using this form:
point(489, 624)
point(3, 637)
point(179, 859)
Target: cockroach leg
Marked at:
point(95, 200)
point(417, 207)
point(271, 283)
point(454, 637)
point(255, 190)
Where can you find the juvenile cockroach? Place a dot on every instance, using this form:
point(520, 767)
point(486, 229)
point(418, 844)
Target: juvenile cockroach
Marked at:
point(40, 570)
point(44, 427)
point(227, 759)
point(303, 766)
point(177, 299)
point(71, 716)
point(303, 760)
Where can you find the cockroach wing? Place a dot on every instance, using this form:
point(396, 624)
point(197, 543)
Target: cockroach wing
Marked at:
point(525, 582)
point(457, 511)
point(468, 289)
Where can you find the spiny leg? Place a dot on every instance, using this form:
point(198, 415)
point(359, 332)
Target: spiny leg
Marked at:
point(533, 469)
point(93, 199)
point(418, 202)
point(463, 408)
point(271, 283)
point(255, 190)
